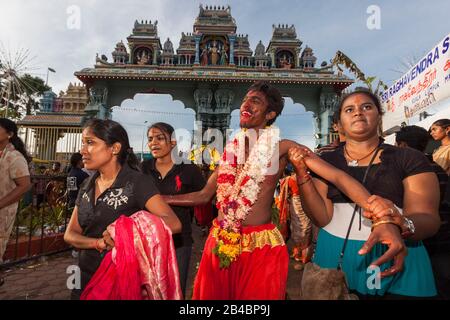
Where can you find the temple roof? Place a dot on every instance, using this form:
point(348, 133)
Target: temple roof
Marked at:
point(284, 33)
point(187, 43)
point(211, 17)
point(120, 49)
point(214, 23)
point(53, 119)
point(308, 54)
point(145, 28)
point(293, 76)
point(77, 90)
point(242, 46)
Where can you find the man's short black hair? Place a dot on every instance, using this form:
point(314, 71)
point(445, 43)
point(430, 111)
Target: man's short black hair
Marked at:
point(414, 136)
point(75, 159)
point(273, 95)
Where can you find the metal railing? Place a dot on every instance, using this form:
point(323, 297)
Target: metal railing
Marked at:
point(40, 222)
point(51, 143)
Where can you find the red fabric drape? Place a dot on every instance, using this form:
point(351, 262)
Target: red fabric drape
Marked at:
point(142, 265)
point(117, 280)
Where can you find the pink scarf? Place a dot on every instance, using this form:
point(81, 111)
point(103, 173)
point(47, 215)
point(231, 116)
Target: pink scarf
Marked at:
point(141, 266)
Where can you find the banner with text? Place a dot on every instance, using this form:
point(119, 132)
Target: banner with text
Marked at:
point(420, 89)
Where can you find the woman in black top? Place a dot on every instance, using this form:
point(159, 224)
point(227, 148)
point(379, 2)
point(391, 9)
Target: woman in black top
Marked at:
point(404, 178)
point(116, 189)
point(75, 177)
point(173, 179)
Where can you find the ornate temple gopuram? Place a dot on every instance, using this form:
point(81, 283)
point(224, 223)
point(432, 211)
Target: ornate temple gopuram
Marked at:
point(211, 70)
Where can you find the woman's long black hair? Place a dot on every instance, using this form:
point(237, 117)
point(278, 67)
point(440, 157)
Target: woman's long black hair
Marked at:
point(443, 123)
point(164, 128)
point(12, 129)
point(111, 132)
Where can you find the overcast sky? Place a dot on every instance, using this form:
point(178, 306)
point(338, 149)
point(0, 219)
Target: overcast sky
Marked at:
point(408, 30)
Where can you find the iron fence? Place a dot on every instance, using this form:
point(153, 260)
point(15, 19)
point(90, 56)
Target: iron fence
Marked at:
point(40, 222)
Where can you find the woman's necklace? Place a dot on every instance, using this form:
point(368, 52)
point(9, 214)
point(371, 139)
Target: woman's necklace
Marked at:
point(355, 162)
point(105, 184)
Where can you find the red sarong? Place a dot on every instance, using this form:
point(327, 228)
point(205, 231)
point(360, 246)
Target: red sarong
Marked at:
point(204, 214)
point(259, 273)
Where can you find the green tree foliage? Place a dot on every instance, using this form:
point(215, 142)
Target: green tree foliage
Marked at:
point(341, 59)
point(22, 94)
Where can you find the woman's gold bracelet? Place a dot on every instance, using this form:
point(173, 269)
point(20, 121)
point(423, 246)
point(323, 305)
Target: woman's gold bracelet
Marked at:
point(376, 224)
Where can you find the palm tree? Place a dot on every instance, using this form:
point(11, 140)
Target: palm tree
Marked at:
point(342, 59)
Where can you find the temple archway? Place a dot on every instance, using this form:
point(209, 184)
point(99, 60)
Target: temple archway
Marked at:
point(137, 114)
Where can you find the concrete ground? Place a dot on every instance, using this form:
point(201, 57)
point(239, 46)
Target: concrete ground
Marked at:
point(46, 279)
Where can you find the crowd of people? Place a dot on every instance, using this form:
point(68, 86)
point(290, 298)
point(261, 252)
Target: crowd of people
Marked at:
point(356, 204)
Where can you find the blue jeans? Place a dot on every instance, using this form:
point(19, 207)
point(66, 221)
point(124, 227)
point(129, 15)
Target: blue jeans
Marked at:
point(183, 258)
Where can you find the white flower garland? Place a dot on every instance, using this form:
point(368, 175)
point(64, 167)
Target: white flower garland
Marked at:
point(236, 199)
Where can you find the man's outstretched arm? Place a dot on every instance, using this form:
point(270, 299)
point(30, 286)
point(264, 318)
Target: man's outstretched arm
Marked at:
point(195, 198)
